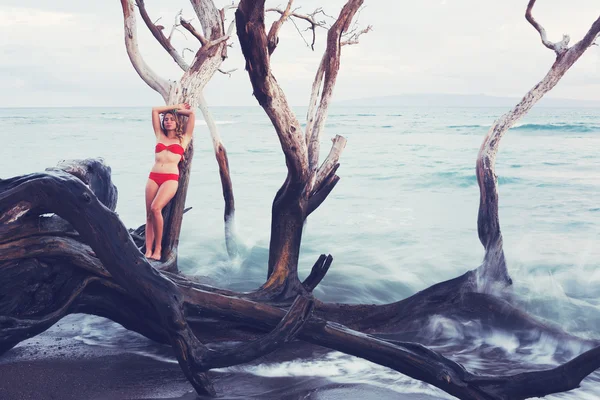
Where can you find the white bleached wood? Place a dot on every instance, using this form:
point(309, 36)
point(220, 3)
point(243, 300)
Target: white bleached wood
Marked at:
point(558, 47)
point(160, 37)
point(210, 121)
point(339, 143)
point(175, 24)
point(314, 98)
point(273, 35)
point(230, 229)
point(209, 17)
point(188, 25)
point(162, 86)
point(494, 270)
point(353, 39)
point(331, 66)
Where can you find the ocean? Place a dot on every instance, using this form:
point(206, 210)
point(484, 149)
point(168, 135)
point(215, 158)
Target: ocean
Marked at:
point(405, 207)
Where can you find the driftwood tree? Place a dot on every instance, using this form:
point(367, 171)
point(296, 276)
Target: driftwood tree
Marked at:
point(189, 89)
point(307, 183)
point(63, 250)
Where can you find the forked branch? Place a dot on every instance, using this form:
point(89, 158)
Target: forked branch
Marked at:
point(249, 19)
point(273, 36)
point(310, 18)
point(162, 86)
point(328, 71)
point(176, 23)
point(318, 272)
point(285, 331)
point(353, 37)
point(299, 196)
point(158, 34)
point(188, 25)
point(558, 47)
point(494, 270)
point(210, 18)
point(203, 41)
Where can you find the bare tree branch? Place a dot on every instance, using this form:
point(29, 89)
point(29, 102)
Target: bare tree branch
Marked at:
point(227, 186)
point(314, 98)
point(175, 25)
point(301, 35)
point(330, 65)
point(310, 18)
point(187, 25)
point(317, 273)
point(332, 159)
point(266, 89)
point(228, 72)
point(273, 36)
point(558, 47)
point(298, 195)
point(319, 195)
point(353, 38)
point(203, 41)
point(162, 86)
point(206, 13)
point(285, 331)
point(493, 272)
point(159, 35)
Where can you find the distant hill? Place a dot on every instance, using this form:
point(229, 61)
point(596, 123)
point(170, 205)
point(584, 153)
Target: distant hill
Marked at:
point(459, 100)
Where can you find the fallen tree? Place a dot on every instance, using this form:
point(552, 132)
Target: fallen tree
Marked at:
point(63, 250)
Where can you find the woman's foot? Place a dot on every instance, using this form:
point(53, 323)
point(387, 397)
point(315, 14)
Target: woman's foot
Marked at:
point(148, 254)
point(155, 255)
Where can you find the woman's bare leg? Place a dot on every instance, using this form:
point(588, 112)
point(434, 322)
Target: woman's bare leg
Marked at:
point(165, 193)
point(151, 190)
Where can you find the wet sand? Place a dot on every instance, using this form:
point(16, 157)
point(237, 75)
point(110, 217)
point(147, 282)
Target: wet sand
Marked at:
point(62, 364)
point(136, 377)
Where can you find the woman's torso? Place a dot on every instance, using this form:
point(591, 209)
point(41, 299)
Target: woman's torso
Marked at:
point(166, 161)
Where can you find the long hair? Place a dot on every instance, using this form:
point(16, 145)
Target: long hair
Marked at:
point(178, 125)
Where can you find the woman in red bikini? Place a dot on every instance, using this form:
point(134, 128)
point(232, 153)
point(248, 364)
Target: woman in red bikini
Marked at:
point(171, 142)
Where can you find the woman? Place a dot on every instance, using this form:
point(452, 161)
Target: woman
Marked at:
point(171, 142)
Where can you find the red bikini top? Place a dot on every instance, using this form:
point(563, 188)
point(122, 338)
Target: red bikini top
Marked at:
point(173, 148)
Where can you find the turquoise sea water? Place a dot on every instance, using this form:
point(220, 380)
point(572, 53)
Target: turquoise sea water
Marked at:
point(405, 208)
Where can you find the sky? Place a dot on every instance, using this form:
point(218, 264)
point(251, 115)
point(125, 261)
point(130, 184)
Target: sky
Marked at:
point(72, 52)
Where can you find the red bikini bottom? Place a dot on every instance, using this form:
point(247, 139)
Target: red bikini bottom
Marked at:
point(160, 178)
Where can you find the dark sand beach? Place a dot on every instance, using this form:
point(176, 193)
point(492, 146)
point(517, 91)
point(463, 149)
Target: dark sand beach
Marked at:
point(62, 368)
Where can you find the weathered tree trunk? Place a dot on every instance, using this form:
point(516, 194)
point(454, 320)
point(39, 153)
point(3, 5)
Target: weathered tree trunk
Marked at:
point(305, 187)
point(231, 241)
point(493, 274)
point(289, 214)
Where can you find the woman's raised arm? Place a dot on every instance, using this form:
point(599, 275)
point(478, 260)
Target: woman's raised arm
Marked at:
point(189, 127)
point(156, 111)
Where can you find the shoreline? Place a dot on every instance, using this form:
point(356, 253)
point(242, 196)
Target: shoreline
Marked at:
point(72, 370)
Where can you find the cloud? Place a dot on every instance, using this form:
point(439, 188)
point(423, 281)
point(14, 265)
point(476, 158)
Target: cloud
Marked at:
point(11, 17)
point(461, 46)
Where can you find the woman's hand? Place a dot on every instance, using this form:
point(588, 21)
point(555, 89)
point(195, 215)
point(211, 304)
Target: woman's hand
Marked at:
point(184, 109)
